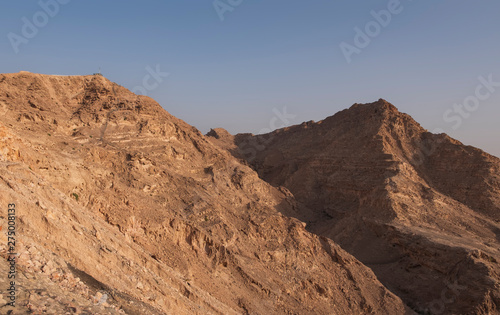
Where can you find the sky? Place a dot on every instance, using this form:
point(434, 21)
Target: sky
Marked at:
point(254, 66)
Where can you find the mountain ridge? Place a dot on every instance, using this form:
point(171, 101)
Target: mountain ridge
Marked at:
point(109, 185)
point(376, 182)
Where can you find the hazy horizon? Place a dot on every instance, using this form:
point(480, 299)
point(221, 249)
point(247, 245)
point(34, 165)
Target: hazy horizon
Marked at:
point(238, 64)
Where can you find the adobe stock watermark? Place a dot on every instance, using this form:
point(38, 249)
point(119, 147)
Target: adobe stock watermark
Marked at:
point(258, 143)
point(363, 36)
point(458, 113)
point(151, 80)
point(448, 295)
point(224, 6)
point(30, 27)
point(11, 255)
point(471, 103)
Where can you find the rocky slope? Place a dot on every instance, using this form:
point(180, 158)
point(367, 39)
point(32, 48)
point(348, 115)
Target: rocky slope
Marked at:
point(421, 210)
point(123, 208)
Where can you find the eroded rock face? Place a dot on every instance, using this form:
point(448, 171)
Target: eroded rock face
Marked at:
point(422, 210)
point(146, 212)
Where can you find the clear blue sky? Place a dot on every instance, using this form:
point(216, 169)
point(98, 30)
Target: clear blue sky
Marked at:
point(266, 55)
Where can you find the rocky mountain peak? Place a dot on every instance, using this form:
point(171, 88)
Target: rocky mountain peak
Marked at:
point(116, 198)
point(392, 193)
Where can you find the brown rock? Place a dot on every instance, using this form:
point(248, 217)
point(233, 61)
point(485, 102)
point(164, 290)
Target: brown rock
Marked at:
point(167, 203)
point(413, 206)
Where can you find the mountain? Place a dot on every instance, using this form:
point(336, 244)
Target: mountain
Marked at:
point(421, 210)
point(123, 208)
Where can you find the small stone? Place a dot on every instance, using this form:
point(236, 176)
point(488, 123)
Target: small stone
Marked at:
point(55, 276)
point(103, 299)
point(97, 297)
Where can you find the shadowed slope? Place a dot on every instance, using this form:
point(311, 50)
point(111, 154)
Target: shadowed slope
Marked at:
point(421, 210)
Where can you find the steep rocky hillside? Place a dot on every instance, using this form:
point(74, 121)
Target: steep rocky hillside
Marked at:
point(421, 210)
point(123, 208)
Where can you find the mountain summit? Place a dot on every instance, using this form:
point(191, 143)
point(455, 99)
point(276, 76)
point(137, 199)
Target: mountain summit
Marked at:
point(421, 210)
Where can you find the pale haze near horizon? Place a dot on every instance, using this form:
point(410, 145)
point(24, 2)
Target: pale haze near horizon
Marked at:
point(237, 66)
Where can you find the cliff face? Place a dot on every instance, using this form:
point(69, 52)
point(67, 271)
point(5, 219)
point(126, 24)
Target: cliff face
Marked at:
point(129, 209)
point(421, 210)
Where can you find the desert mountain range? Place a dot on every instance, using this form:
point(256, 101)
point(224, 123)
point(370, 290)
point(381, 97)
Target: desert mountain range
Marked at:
point(122, 208)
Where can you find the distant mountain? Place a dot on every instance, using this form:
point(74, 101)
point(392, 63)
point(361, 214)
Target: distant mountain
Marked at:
point(421, 210)
point(123, 208)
